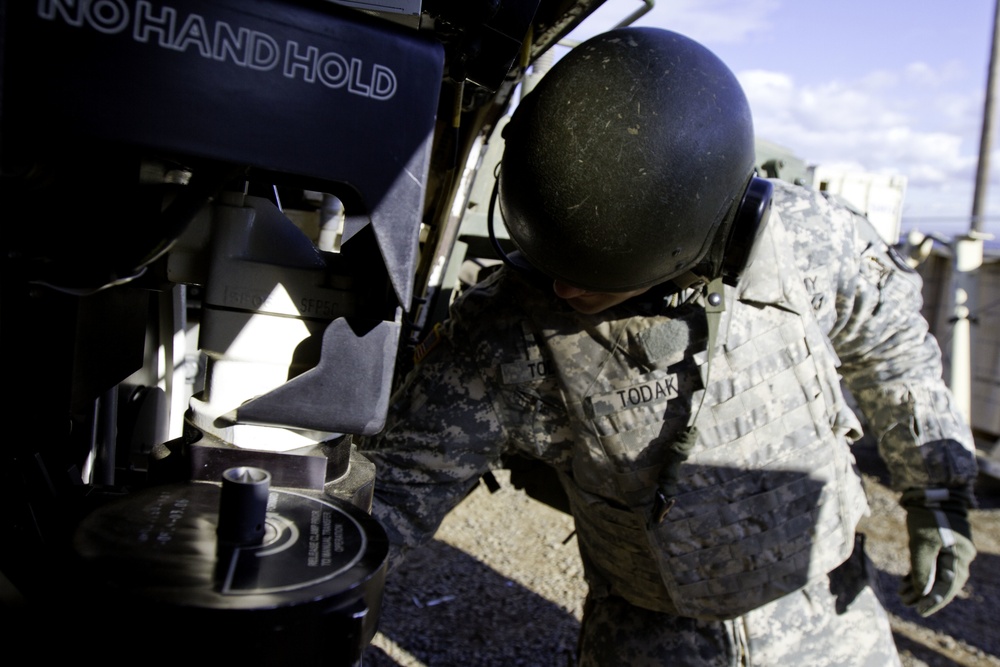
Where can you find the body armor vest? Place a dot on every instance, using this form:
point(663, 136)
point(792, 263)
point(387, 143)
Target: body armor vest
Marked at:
point(767, 498)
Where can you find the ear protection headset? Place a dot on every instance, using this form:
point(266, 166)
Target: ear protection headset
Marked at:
point(736, 247)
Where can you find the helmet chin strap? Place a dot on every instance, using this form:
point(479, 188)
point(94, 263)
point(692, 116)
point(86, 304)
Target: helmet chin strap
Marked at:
point(501, 253)
point(715, 306)
point(677, 453)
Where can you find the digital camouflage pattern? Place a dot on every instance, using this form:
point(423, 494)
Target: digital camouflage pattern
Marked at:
point(515, 370)
point(868, 300)
point(835, 621)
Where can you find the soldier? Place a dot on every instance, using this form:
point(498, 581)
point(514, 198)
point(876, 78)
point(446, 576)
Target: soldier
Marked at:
point(672, 337)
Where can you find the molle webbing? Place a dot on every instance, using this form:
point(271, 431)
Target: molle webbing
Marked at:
point(763, 503)
point(614, 541)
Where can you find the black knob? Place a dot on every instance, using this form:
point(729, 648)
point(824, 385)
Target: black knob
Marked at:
point(243, 505)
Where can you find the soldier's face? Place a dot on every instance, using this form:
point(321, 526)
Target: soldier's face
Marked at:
point(591, 303)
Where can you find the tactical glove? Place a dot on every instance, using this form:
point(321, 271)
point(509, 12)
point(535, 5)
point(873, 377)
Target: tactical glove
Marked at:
point(941, 547)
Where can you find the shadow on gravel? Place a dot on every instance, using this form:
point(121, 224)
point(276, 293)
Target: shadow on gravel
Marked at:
point(964, 625)
point(445, 609)
point(964, 632)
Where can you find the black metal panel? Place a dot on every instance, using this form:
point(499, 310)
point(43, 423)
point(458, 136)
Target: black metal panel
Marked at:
point(306, 90)
point(280, 86)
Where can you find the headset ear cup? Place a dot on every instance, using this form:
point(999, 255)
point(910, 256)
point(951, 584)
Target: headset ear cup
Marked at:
point(750, 219)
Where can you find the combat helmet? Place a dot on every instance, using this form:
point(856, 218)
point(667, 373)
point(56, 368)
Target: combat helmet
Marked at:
point(628, 164)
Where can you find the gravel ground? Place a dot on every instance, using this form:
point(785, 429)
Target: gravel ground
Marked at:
point(501, 585)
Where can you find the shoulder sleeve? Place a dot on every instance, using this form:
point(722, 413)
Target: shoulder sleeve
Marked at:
point(870, 302)
point(442, 434)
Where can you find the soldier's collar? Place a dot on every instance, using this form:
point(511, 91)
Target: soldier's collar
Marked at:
point(763, 282)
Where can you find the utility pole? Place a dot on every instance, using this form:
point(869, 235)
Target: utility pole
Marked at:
point(986, 137)
point(968, 249)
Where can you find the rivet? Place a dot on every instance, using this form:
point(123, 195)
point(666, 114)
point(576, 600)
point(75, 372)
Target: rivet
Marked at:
point(714, 299)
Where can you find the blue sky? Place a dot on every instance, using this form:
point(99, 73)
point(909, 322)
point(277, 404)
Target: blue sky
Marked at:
point(881, 86)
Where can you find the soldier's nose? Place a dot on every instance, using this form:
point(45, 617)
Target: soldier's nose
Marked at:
point(564, 291)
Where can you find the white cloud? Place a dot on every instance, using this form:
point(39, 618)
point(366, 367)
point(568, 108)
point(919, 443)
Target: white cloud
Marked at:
point(866, 123)
point(875, 126)
point(920, 73)
point(698, 19)
point(879, 79)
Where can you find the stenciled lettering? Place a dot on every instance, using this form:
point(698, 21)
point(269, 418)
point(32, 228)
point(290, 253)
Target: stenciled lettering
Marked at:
point(240, 297)
point(646, 393)
point(107, 16)
point(538, 369)
point(325, 308)
point(651, 391)
point(224, 42)
point(527, 370)
point(312, 556)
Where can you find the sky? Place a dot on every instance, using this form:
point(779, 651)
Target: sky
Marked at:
point(888, 87)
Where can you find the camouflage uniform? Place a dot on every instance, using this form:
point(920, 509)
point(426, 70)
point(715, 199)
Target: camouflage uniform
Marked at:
point(715, 495)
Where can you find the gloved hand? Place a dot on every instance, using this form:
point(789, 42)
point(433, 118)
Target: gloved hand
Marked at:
point(941, 547)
